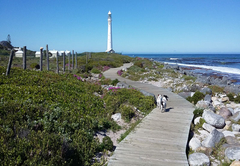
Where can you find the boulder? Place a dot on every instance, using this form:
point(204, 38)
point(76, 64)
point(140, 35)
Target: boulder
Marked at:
point(203, 134)
point(231, 140)
point(205, 150)
point(228, 125)
point(185, 94)
point(197, 159)
point(236, 110)
point(208, 127)
point(225, 113)
point(231, 110)
point(213, 119)
point(228, 133)
point(194, 143)
point(208, 98)
point(213, 138)
point(235, 163)
point(122, 85)
point(197, 120)
point(232, 153)
point(235, 117)
point(224, 99)
point(236, 127)
point(206, 90)
point(202, 104)
point(116, 117)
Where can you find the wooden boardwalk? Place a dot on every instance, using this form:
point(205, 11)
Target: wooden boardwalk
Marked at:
point(161, 138)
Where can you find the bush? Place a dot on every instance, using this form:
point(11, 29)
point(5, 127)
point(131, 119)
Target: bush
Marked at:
point(114, 82)
point(35, 66)
point(196, 97)
point(197, 112)
point(127, 113)
point(108, 144)
point(230, 96)
point(95, 71)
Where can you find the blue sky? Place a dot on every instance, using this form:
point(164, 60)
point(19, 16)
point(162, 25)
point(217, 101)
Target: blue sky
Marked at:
point(139, 26)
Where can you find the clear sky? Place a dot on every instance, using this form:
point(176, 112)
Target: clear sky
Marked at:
point(138, 26)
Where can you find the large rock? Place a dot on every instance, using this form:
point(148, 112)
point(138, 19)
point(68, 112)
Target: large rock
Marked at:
point(213, 138)
point(198, 159)
point(235, 117)
point(185, 94)
point(225, 113)
point(213, 119)
point(203, 104)
point(194, 143)
point(206, 90)
point(228, 133)
point(236, 127)
point(197, 120)
point(231, 140)
point(232, 153)
point(235, 163)
point(208, 127)
point(122, 85)
point(116, 117)
point(236, 110)
point(208, 98)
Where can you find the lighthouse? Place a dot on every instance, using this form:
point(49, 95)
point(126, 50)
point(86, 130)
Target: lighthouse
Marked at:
point(109, 42)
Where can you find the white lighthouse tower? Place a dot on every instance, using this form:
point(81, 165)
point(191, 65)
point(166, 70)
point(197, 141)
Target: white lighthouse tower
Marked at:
point(109, 42)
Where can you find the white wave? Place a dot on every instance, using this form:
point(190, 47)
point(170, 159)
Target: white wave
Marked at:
point(174, 58)
point(216, 68)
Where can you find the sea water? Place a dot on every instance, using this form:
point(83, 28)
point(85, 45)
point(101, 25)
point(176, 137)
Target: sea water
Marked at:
point(221, 64)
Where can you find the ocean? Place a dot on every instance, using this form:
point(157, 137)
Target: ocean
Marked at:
point(208, 64)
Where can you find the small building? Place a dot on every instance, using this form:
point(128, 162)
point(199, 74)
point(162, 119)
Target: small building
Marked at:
point(54, 53)
point(67, 53)
point(19, 53)
point(37, 54)
point(61, 53)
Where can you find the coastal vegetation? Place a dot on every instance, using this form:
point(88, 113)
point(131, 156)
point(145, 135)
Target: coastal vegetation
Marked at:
point(51, 119)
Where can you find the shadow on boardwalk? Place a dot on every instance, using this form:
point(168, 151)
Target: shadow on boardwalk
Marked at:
point(161, 138)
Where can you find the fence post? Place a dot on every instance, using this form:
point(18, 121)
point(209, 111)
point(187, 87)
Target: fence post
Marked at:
point(63, 61)
point(10, 62)
point(47, 56)
point(69, 63)
point(72, 59)
point(41, 57)
point(76, 60)
point(57, 63)
point(24, 57)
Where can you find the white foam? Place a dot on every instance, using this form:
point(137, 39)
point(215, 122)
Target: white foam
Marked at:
point(216, 68)
point(175, 58)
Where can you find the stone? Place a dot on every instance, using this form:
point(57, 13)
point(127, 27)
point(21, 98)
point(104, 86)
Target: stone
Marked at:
point(213, 119)
point(208, 98)
point(235, 163)
point(236, 127)
point(236, 110)
point(213, 138)
point(206, 90)
point(235, 117)
point(197, 159)
point(228, 125)
point(122, 85)
point(116, 117)
point(233, 105)
point(232, 153)
point(225, 113)
point(197, 120)
point(194, 143)
point(203, 134)
point(202, 104)
point(231, 140)
point(208, 127)
point(217, 103)
point(231, 110)
point(185, 94)
point(228, 133)
point(224, 99)
point(205, 150)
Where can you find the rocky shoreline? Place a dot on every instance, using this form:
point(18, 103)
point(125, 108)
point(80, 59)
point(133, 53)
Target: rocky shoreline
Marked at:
point(215, 132)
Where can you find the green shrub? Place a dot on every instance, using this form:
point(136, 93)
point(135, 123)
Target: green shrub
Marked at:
point(216, 89)
point(196, 97)
point(34, 66)
point(95, 71)
point(114, 82)
point(127, 113)
point(230, 96)
point(197, 113)
point(237, 99)
point(108, 144)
